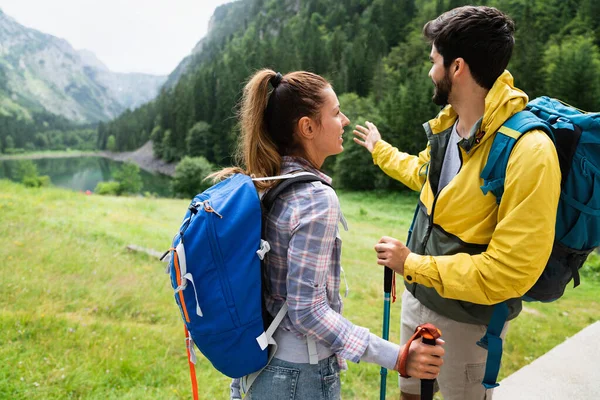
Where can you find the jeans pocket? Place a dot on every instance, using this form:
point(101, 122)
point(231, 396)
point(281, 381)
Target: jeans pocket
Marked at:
point(275, 382)
point(331, 382)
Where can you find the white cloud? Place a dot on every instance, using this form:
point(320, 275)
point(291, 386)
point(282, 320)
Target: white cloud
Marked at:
point(150, 36)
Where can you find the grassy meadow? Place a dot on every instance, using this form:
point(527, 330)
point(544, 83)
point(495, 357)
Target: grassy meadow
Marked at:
point(81, 317)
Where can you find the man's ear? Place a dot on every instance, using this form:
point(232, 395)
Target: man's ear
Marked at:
point(458, 67)
point(306, 128)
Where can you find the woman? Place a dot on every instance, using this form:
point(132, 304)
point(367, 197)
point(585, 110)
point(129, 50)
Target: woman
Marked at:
point(292, 123)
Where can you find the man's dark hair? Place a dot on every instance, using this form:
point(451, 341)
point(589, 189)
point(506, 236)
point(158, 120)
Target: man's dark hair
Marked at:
point(482, 36)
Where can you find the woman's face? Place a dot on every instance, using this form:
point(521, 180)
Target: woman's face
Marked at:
point(328, 140)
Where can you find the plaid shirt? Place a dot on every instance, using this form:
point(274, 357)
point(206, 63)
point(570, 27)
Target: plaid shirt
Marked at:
point(303, 266)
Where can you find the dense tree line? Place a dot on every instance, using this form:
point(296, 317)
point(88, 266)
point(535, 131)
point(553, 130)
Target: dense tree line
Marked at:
point(373, 53)
point(43, 131)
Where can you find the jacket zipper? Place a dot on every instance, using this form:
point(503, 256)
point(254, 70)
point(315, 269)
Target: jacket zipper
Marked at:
point(435, 198)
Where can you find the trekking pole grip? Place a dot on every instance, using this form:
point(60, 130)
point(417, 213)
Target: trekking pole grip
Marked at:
point(427, 384)
point(388, 276)
point(428, 334)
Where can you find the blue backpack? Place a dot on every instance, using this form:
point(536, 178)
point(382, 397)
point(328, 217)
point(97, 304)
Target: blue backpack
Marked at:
point(576, 135)
point(215, 270)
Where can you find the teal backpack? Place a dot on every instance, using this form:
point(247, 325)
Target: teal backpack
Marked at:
point(576, 135)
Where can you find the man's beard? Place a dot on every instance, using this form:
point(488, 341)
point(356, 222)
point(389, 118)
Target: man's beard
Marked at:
point(442, 90)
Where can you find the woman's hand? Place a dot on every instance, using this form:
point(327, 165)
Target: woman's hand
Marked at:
point(367, 137)
point(424, 360)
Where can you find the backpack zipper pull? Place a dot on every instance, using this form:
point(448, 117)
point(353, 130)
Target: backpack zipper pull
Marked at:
point(208, 208)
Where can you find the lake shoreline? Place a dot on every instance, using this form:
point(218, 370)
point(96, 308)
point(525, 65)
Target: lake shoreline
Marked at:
point(143, 157)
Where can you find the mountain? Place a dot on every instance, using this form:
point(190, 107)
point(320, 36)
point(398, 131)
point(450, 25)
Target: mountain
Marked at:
point(131, 90)
point(374, 54)
point(40, 72)
point(225, 21)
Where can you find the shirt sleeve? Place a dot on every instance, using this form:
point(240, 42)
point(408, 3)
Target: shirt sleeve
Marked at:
point(522, 240)
point(381, 352)
point(310, 255)
point(403, 167)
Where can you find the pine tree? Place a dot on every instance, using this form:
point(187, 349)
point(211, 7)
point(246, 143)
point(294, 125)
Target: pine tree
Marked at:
point(573, 72)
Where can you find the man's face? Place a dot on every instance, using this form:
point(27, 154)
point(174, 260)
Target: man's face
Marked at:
point(440, 77)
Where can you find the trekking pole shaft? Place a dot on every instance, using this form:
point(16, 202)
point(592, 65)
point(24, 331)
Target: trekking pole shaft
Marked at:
point(427, 384)
point(387, 289)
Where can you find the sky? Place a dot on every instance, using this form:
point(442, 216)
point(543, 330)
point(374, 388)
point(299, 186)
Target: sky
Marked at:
point(149, 36)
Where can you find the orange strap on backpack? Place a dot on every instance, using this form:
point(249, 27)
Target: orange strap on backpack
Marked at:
point(427, 331)
point(188, 339)
point(188, 343)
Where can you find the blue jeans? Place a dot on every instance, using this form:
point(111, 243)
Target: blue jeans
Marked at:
point(282, 380)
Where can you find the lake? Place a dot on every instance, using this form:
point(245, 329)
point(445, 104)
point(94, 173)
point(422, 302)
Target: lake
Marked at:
point(84, 173)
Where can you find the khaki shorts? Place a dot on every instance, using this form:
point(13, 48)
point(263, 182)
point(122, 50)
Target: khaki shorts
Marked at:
point(464, 362)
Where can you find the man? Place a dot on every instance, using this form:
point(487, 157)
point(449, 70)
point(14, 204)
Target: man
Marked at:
point(465, 252)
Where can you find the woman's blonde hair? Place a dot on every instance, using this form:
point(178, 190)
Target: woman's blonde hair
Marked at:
point(271, 107)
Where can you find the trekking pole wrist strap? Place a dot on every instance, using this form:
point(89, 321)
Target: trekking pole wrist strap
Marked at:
point(426, 330)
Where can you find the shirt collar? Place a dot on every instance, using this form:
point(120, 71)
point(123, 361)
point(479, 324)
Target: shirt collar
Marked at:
point(474, 137)
point(292, 164)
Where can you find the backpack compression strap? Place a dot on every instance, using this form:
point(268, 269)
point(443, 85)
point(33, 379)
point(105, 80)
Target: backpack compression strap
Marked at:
point(493, 175)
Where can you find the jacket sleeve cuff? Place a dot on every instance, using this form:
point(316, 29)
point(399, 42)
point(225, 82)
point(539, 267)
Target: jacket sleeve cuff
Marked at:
point(410, 268)
point(419, 269)
point(379, 148)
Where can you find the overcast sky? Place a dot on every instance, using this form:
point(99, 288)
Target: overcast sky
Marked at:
point(150, 36)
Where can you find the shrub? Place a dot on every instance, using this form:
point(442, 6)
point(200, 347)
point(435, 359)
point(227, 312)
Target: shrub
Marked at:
point(26, 169)
point(129, 179)
point(36, 181)
point(189, 176)
point(110, 188)
point(44, 181)
point(111, 143)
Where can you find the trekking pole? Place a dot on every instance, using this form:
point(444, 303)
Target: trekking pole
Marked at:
point(429, 334)
point(387, 290)
point(427, 384)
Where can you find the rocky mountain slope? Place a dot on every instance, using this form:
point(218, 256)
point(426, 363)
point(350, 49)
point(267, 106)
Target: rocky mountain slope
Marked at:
point(40, 72)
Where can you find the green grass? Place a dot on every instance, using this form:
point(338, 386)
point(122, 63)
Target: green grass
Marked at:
point(82, 318)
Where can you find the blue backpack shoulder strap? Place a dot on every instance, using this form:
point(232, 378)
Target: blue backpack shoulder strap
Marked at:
point(493, 176)
point(494, 172)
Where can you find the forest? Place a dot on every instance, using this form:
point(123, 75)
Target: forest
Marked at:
point(375, 56)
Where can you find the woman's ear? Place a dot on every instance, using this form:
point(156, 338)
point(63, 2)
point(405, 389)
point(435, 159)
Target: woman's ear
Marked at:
point(306, 128)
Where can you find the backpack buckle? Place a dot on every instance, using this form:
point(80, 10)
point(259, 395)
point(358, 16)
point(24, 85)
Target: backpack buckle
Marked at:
point(265, 247)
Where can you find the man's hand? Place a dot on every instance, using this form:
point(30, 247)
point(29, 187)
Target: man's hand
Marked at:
point(392, 253)
point(367, 137)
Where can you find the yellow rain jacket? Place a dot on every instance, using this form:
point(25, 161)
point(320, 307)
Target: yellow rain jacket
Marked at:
point(468, 251)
